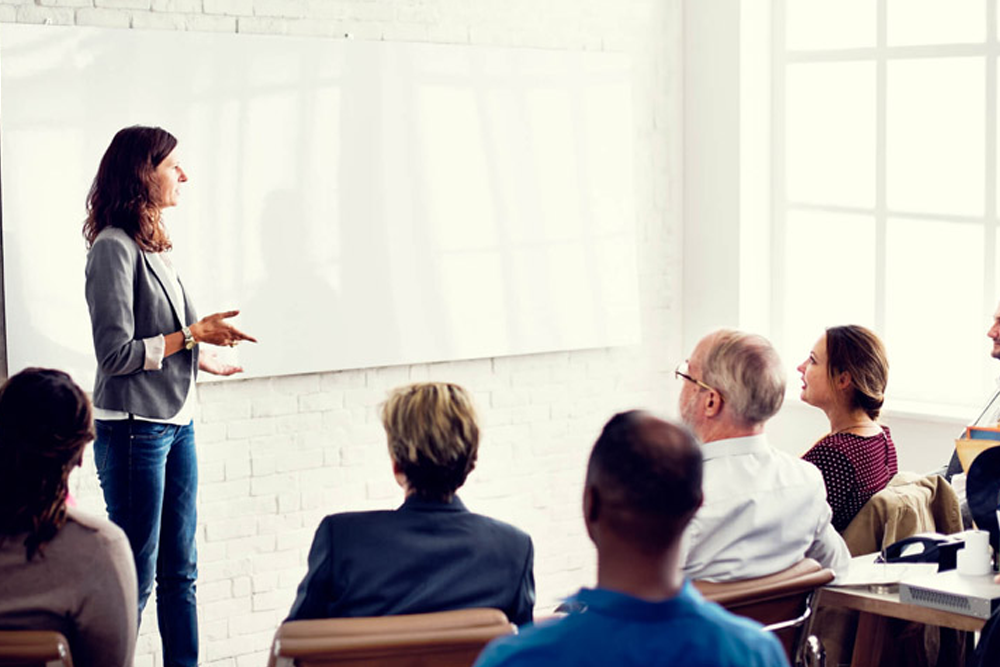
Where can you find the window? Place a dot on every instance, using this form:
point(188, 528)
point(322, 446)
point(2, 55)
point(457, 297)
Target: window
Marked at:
point(885, 185)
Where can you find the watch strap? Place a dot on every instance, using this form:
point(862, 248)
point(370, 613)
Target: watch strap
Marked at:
point(189, 340)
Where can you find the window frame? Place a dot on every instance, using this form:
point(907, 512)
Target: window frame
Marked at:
point(881, 54)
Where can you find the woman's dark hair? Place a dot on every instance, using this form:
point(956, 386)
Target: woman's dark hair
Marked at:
point(124, 192)
point(859, 352)
point(45, 422)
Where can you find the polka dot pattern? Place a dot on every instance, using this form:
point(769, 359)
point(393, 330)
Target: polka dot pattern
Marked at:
point(854, 469)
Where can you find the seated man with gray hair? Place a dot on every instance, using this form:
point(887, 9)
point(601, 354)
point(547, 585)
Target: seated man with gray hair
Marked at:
point(764, 510)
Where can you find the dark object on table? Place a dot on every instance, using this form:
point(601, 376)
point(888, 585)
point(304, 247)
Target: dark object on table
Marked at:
point(926, 548)
point(982, 488)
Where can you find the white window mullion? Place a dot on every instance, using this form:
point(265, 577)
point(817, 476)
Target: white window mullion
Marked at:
point(880, 166)
point(779, 201)
point(910, 161)
point(990, 191)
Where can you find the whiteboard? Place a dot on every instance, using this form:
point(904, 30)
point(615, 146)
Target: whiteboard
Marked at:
point(363, 203)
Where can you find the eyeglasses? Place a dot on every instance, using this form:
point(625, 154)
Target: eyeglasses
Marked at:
point(681, 373)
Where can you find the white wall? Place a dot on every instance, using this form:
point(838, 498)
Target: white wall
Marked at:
point(712, 174)
point(277, 454)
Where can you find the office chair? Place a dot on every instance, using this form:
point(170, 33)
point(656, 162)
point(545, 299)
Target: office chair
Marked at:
point(34, 648)
point(442, 639)
point(782, 602)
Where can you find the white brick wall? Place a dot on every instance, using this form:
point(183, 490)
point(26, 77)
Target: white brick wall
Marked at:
point(277, 454)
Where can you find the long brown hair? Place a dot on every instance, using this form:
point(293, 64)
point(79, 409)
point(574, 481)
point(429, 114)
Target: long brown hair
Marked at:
point(124, 192)
point(45, 422)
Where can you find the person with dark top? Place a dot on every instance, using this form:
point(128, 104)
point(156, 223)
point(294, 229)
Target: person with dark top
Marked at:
point(845, 376)
point(431, 554)
point(643, 485)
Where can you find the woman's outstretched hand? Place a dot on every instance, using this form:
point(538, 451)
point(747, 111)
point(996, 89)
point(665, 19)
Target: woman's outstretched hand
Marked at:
point(214, 330)
point(210, 363)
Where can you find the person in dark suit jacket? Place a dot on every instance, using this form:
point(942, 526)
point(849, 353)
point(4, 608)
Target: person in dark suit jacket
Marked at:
point(431, 554)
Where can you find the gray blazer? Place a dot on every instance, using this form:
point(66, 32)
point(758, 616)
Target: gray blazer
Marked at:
point(129, 301)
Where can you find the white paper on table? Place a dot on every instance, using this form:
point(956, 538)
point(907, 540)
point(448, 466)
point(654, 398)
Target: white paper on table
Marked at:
point(864, 571)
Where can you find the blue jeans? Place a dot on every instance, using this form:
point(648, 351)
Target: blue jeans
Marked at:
point(149, 475)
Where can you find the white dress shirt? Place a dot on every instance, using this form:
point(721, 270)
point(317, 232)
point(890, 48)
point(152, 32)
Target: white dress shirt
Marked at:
point(764, 511)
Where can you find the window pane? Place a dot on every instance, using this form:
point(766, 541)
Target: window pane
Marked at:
point(822, 24)
point(935, 135)
point(830, 133)
point(935, 21)
point(934, 319)
point(829, 279)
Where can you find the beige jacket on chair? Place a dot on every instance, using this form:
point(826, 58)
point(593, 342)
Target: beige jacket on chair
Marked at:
point(911, 503)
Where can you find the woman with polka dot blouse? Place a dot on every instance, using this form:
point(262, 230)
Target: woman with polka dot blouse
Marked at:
point(845, 377)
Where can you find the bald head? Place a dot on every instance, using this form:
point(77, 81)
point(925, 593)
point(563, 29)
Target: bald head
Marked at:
point(644, 479)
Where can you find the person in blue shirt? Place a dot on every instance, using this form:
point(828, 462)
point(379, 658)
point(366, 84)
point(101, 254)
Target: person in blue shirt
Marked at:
point(643, 486)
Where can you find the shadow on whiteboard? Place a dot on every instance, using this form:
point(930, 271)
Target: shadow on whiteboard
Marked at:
point(363, 204)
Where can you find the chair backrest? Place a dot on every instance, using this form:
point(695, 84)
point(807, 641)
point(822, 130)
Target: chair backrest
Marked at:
point(34, 648)
point(781, 601)
point(443, 639)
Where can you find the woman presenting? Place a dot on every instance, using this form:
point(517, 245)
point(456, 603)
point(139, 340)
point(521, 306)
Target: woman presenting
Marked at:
point(146, 339)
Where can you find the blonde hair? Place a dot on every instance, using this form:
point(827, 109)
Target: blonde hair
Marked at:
point(433, 436)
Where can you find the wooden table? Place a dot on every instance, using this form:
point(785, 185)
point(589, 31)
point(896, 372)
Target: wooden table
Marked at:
point(875, 610)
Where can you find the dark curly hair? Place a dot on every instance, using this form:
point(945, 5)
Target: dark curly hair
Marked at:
point(124, 192)
point(45, 422)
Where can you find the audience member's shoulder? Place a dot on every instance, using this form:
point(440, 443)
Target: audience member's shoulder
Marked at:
point(504, 527)
point(537, 644)
point(502, 532)
point(796, 463)
point(742, 636)
point(92, 526)
point(86, 539)
point(360, 520)
point(734, 641)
